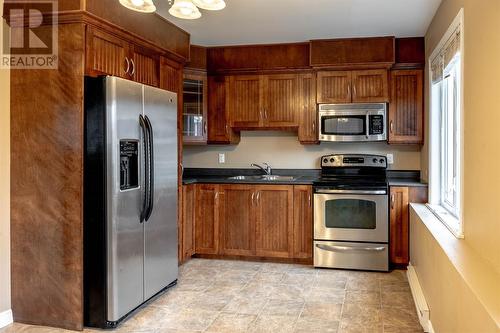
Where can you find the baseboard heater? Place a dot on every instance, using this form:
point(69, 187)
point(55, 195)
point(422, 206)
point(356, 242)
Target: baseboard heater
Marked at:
point(419, 299)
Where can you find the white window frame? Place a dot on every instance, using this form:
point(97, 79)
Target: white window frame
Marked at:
point(453, 221)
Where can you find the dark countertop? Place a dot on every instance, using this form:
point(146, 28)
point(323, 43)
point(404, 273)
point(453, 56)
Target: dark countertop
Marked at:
point(221, 176)
point(302, 176)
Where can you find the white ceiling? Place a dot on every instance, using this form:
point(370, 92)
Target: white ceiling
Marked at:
point(281, 21)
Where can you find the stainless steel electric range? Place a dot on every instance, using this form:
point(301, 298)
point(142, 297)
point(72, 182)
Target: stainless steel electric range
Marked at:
point(351, 223)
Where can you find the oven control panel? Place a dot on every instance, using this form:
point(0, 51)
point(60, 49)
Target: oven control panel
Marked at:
point(353, 160)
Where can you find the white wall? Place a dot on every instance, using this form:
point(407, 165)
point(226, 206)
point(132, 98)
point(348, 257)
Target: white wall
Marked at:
point(283, 151)
point(4, 187)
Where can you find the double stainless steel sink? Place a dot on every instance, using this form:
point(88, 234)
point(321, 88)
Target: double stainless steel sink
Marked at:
point(270, 178)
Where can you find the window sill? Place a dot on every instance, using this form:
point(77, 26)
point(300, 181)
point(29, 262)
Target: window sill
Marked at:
point(449, 221)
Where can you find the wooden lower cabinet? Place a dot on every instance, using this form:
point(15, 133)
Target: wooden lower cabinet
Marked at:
point(207, 219)
point(399, 227)
point(186, 232)
point(272, 221)
point(237, 217)
point(302, 221)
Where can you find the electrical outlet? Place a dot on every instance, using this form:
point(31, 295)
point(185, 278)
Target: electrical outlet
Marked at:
point(390, 159)
point(222, 158)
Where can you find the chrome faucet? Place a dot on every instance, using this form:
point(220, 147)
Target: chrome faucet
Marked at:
point(267, 169)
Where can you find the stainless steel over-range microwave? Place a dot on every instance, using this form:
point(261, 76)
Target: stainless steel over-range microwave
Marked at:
point(353, 122)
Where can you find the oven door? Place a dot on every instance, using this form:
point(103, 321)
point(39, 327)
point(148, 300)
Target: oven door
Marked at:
point(357, 216)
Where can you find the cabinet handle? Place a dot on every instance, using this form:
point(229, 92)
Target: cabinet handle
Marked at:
point(258, 198)
point(391, 126)
point(227, 129)
point(260, 113)
point(309, 199)
point(133, 67)
point(253, 196)
point(205, 127)
point(392, 201)
point(265, 113)
point(354, 90)
point(128, 65)
point(216, 196)
point(314, 126)
point(348, 90)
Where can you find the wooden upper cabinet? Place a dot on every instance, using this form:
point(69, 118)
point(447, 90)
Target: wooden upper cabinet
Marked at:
point(334, 87)
point(207, 219)
point(308, 115)
point(170, 76)
point(302, 222)
point(106, 54)
point(145, 66)
point(194, 108)
point(370, 86)
point(280, 100)
point(245, 100)
point(406, 111)
point(274, 221)
point(219, 129)
point(237, 220)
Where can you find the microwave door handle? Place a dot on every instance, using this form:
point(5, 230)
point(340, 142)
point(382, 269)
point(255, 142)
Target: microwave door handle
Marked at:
point(367, 125)
point(339, 248)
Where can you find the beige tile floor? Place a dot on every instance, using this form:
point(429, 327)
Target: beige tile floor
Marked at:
point(236, 296)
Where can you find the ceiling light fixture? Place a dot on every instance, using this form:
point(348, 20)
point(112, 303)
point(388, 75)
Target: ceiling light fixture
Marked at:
point(184, 9)
point(143, 6)
point(210, 4)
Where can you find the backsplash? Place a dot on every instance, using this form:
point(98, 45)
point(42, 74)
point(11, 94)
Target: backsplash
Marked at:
point(282, 150)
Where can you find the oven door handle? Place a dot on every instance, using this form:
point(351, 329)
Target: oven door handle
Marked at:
point(338, 248)
point(322, 191)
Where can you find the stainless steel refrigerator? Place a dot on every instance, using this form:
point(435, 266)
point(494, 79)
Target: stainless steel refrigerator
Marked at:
point(130, 197)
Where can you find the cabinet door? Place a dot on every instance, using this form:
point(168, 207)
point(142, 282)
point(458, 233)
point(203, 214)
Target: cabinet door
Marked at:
point(302, 222)
point(207, 219)
point(194, 114)
point(145, 66)
point(170, 76)
point(280, 100)
point(308, 114)
point(406, 111)
point(274, 222)
point(399, 226)
point(219, 129)
point(237, 220)
point(370, 86)
point(106, 54)
point(246, 101)
point(187, 239)
point(334, 87)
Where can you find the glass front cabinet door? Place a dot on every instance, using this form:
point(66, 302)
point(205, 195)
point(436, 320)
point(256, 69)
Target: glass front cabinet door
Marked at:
point(195, 109)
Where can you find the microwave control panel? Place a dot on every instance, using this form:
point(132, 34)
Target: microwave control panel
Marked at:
point(376, 124)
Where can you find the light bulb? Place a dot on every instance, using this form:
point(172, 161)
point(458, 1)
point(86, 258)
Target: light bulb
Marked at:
point(184, 9)
point(210, 4)
point(143, 6)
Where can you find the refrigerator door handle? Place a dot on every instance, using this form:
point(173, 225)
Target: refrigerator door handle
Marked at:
point(151, 168)
point(145, 137)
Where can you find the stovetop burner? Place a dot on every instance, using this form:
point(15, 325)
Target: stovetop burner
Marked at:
point(353, 172)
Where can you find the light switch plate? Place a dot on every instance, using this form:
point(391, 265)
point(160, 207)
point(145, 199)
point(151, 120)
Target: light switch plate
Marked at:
point(222, 158)
point(390, 159)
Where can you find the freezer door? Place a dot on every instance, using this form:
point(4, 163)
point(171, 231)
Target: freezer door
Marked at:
point(124, 168)
point(160, 230)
